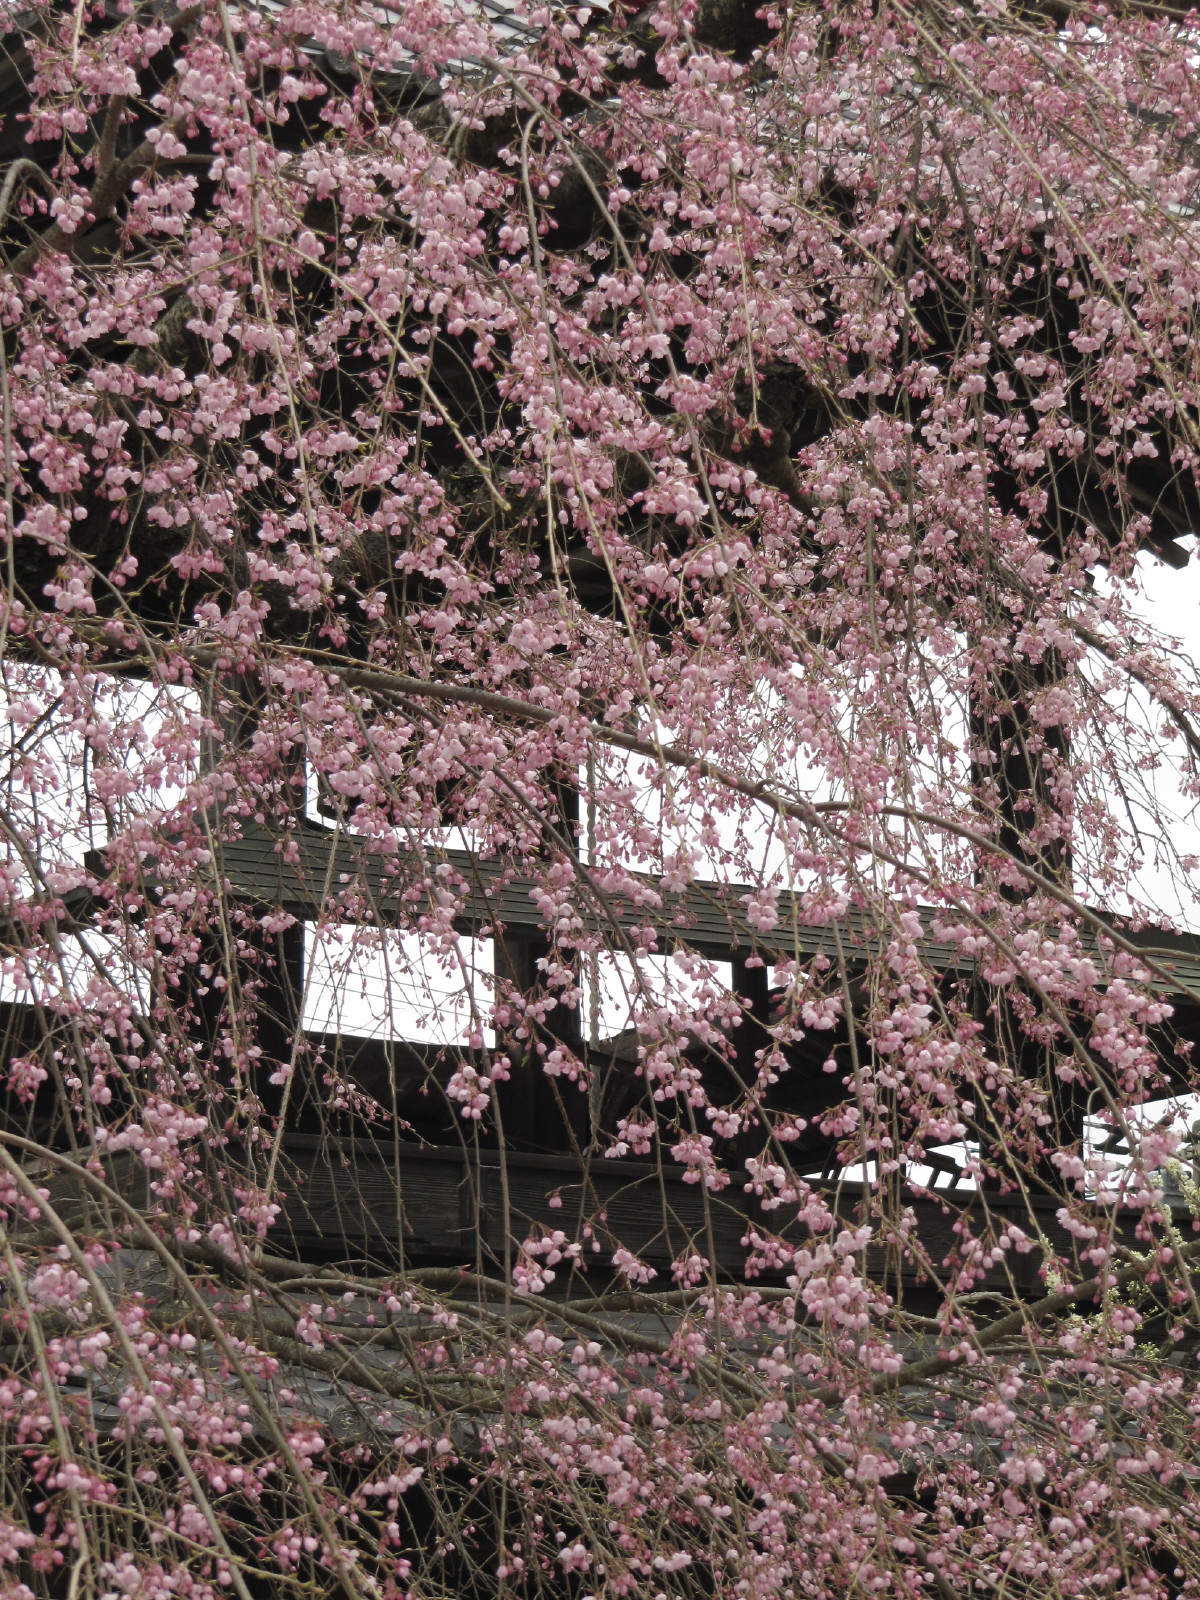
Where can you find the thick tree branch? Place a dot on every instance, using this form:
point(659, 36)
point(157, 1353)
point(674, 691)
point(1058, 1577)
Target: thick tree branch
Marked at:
point(107, 192)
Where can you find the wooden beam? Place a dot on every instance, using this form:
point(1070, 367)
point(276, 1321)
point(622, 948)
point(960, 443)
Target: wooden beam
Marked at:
point(398, 1201)
point(311, 871)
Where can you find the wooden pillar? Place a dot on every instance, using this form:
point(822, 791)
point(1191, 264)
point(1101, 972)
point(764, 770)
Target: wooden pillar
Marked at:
point(1014, 762)
point(752, 986)
point(1019, 771)
point(540, 1111)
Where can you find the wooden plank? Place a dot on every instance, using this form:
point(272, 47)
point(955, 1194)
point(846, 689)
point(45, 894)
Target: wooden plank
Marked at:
point(437, 1202)
point(315, 868)
point(458, 1205)
point(353, 1195)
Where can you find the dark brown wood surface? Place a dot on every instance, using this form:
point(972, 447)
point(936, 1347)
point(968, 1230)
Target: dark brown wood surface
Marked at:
point(473, 1207)
point(311, 870)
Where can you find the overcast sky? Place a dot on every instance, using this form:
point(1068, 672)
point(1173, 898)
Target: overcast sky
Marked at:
point(1170, 600)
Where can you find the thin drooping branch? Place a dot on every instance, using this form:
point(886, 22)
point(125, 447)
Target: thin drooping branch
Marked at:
point(19, 172)
point(1023, 1320)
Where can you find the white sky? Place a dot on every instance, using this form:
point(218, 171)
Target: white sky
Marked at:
point(1171, 602)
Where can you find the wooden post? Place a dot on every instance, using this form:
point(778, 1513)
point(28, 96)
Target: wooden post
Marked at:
point(1017, 767)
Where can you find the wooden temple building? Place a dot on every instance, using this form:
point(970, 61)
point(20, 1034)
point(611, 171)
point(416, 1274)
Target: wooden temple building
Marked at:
point(427, 1189)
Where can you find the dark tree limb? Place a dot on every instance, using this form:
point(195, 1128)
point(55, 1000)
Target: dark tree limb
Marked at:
point(110, 188)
